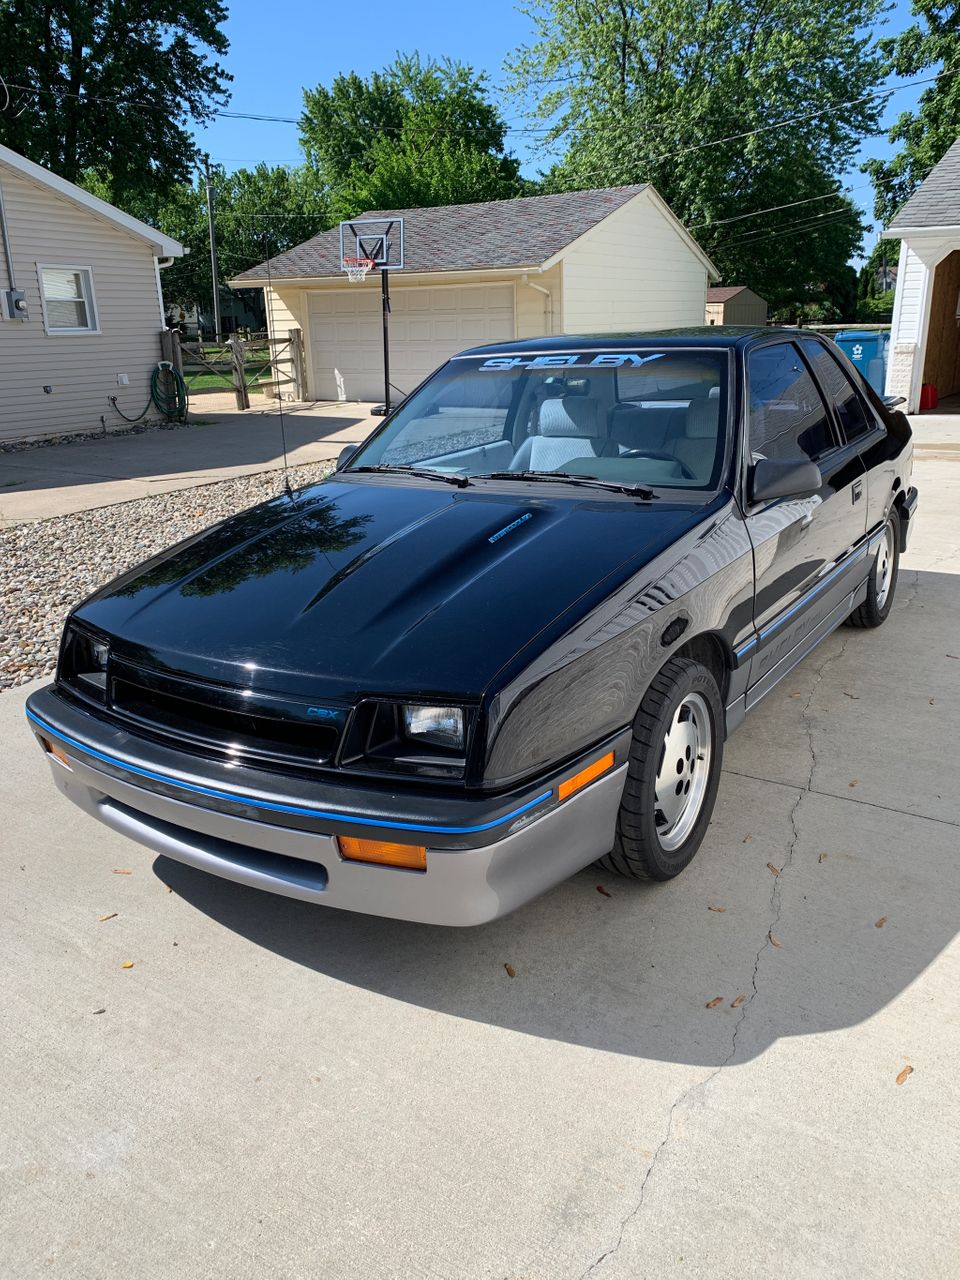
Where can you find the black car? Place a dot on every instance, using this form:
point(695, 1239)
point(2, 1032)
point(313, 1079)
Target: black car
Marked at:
point(507, 637)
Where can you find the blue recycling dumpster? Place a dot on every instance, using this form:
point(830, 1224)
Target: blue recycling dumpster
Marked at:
point(868, 351)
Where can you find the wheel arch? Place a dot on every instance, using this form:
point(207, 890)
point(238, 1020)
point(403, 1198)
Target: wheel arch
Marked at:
point(710, 651)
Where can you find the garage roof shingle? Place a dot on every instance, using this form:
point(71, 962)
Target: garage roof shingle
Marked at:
point(936, 202)
point(462, 237)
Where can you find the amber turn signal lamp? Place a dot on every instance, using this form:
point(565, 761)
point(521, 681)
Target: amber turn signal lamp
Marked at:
point(382, 852)
point(570, 785)
point(55, 751)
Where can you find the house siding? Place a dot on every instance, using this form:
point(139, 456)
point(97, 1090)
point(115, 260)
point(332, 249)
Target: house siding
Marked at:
point(82, 369)
point(633, 270)
point(920, 257)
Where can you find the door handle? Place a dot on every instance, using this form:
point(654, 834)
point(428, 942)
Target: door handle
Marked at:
point(857, 490)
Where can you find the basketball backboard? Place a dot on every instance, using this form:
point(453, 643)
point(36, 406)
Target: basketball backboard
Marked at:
point(378, 239)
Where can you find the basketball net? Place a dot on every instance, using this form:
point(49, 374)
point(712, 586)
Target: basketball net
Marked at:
point(357, 268)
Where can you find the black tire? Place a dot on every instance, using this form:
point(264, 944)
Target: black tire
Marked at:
point(875, 610)
point(639, 851)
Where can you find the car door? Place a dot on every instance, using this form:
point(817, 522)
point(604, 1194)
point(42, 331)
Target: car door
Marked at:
point(805, 548)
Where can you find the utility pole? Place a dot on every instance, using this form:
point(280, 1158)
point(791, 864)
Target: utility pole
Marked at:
point(213, 251)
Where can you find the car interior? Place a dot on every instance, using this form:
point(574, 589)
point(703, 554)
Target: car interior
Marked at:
point(628, 426)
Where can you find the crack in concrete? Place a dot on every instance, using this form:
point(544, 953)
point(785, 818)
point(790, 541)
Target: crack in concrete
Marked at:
point(776, 907)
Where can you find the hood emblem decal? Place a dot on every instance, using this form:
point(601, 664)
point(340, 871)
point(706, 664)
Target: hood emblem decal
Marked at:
point(502, 533)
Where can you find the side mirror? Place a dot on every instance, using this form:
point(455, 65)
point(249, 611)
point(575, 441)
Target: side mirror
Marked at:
point(783, 478)
point(346, 454)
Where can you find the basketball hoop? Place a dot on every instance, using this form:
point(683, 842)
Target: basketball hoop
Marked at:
point(357, 268)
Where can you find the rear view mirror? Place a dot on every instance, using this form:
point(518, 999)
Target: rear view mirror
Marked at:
point(345, 455)
point(783, 478)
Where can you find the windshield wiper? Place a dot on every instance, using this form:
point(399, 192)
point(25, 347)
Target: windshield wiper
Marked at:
point(460, 481)
point(568, 477)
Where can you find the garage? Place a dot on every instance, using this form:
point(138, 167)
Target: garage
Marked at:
point(427, 325)
point(613, 260)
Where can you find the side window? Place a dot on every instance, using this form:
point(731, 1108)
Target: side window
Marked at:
point(853, 414)
point(788, 419)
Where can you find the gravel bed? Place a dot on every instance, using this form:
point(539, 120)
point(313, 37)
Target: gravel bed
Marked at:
point(46, 567)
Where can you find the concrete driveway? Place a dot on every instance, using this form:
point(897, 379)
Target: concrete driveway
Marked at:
point(36, 484)
point(274, 1090)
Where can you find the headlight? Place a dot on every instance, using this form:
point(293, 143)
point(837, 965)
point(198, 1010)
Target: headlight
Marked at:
point(398, 737)
point(84, 664)
point(440, 725)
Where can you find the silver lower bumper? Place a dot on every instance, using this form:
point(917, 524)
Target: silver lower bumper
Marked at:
point(459, 887)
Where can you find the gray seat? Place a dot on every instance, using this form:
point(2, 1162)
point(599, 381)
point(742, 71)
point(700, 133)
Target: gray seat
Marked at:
point(697, 447)
point(567, 428)
point(645, 426)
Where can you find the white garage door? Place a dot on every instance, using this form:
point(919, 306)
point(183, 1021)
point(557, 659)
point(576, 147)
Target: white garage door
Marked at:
point(427, 326)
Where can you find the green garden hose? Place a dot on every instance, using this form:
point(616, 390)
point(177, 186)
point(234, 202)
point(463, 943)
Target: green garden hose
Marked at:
point(170, 399)
point(168, 394)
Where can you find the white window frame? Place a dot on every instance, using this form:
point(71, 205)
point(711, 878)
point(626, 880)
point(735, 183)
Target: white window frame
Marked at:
point(89, 298)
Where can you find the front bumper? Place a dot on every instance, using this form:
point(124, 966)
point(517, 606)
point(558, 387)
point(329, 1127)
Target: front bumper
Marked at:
point(485, 856)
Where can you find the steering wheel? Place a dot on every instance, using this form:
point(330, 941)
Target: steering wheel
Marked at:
point(660, 455)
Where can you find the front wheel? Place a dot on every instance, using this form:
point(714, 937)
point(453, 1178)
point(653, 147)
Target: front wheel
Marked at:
point(672, 775)
point(882, 582)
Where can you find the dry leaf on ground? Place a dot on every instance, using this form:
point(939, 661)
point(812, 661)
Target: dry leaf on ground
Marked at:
point(878, 924)
point(823, 857)
point(606, 892)
point(854, 783)
point(111, 916)
point(121, 871)
point(127, 964)
point(771, 867)
point(719, 910)
point(96, 1011)
point(712, 1004)
point(511, 971)
point(747, 839)
point(735, 1004)
point(774, 940)
point(907, 1071)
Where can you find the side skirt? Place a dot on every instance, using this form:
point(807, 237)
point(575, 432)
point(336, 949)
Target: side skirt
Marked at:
point(736, 711)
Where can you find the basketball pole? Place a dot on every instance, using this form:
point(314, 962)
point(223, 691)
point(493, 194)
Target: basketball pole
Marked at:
point(385, 300)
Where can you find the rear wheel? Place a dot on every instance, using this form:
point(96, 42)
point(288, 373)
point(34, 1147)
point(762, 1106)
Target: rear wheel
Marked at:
point(672, 776)
point(882, 582)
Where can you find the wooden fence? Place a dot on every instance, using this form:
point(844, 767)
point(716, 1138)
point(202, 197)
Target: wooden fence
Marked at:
point(274, 367)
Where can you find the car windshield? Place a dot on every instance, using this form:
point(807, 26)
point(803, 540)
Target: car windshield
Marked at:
point(644, 418)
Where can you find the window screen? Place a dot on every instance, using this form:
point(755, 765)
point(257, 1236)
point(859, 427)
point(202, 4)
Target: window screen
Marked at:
point(853, 415)
point(68, 299)
point(788, 419)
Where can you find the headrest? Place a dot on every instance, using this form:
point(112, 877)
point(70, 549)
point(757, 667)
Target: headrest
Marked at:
point(572, 416)
point(703, 418)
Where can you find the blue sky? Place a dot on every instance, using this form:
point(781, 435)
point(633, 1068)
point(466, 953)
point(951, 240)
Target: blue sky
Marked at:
point(276, 50)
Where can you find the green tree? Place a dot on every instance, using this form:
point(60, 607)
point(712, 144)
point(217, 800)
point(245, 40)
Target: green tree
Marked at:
point(726, 107)
point(258, 213)
point(415, 134)
point(111, 86)
point(932, 44)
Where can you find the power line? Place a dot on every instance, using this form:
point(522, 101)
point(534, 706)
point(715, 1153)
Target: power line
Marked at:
point(510, 127)
point(808, 226)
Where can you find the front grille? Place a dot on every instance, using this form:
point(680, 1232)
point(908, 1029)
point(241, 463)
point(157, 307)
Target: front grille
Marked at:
point(235, 724)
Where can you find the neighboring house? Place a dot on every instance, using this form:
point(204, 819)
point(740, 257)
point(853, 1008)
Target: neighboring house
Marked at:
point(925, 336)
point(80, 302)
point(736, 304)
point(583, 262)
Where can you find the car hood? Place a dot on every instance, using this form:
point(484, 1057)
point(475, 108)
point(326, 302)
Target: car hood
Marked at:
point(378, 586)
